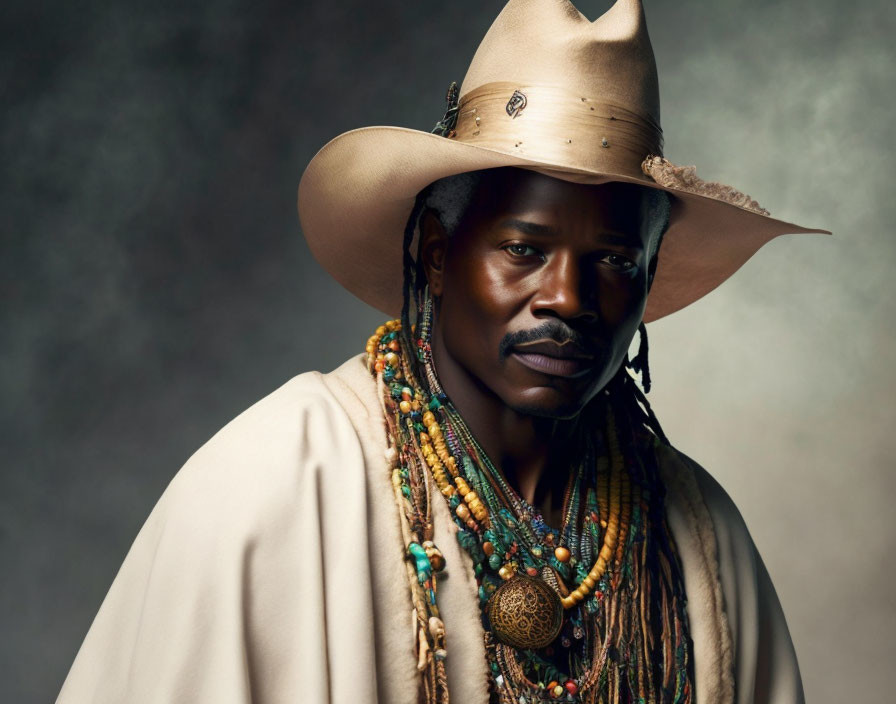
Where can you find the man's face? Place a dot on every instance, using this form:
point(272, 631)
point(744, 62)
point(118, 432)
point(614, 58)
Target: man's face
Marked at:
point(540, 290)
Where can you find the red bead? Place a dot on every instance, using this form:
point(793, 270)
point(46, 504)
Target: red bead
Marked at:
point(571, 687)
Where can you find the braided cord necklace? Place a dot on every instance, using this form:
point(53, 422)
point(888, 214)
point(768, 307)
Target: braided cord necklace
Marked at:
point(619, 634)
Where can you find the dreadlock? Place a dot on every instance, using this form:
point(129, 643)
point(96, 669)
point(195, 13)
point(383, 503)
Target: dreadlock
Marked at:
point(411, 269)
point(650, 636)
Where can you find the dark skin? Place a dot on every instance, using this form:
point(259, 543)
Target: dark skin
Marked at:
point(538, 295)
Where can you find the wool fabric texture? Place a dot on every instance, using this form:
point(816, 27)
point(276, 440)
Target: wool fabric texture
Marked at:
point(272, 570)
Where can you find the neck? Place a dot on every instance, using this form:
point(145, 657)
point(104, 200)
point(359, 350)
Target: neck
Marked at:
point(530, 451)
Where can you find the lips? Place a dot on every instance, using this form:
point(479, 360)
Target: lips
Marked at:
point(555, 359)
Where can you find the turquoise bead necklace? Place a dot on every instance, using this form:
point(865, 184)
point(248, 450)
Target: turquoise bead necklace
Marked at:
point(610, 493)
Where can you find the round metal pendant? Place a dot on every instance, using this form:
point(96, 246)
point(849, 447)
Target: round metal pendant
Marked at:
point(525, 613)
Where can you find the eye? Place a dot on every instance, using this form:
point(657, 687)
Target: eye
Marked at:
point(619, 263)
point(522, 250)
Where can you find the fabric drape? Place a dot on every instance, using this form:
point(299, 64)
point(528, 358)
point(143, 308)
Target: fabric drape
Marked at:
point(271, 570)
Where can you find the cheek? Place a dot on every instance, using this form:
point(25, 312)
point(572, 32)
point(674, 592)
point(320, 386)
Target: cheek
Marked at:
point(478, 289)
point(476, 308)
point(622, 300)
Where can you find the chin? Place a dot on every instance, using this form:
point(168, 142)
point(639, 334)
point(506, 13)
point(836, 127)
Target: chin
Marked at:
point(548, 403)
point(553, 397)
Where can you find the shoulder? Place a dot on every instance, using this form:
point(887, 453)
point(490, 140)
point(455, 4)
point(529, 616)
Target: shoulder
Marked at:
point(728, 542)
point(730, 528)
point(270, 459)
point(765, 665)
point(212, 600)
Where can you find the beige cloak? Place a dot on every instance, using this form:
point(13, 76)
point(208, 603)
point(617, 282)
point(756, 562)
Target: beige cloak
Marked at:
point(271, 570)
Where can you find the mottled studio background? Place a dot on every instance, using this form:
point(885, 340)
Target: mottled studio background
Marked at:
point(154, 280)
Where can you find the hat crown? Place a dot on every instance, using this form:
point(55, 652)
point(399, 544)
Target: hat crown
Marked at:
point(550, 42)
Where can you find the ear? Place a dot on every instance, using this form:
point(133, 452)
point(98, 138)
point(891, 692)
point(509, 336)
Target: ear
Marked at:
point(433, 243)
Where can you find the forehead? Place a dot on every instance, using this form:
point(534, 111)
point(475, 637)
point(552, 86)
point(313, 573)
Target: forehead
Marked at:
point(532, 196)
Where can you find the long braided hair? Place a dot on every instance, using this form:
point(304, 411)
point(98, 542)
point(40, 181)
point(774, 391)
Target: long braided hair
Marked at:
point(641, 432)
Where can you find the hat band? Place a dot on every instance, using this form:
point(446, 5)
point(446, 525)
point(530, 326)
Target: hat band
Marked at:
point(550, 124)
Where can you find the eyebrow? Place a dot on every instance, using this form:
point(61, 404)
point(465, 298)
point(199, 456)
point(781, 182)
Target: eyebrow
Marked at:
point(535, 229)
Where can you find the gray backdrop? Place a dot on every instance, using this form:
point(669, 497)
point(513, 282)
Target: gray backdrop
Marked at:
point(155, 282)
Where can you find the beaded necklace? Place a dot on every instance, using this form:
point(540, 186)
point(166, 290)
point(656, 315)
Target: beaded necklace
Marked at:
point(619, 633)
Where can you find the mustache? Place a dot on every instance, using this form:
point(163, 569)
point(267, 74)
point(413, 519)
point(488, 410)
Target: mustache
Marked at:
point(554, 329)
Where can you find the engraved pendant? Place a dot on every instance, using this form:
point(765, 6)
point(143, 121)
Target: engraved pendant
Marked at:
point(525, 613)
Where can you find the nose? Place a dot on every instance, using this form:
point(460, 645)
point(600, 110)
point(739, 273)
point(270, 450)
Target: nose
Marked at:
point(565, 290)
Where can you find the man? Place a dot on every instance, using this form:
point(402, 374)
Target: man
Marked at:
point(482, 505)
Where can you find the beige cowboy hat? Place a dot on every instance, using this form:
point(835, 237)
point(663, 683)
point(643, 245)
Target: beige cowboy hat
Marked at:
point(547, 90)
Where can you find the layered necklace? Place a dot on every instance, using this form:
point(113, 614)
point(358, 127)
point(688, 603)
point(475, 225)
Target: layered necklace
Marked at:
point(592, 610)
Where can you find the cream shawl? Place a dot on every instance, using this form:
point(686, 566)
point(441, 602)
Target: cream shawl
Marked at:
point(271, 570)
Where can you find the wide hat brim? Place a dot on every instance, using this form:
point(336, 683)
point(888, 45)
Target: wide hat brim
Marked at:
point(357, 193)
